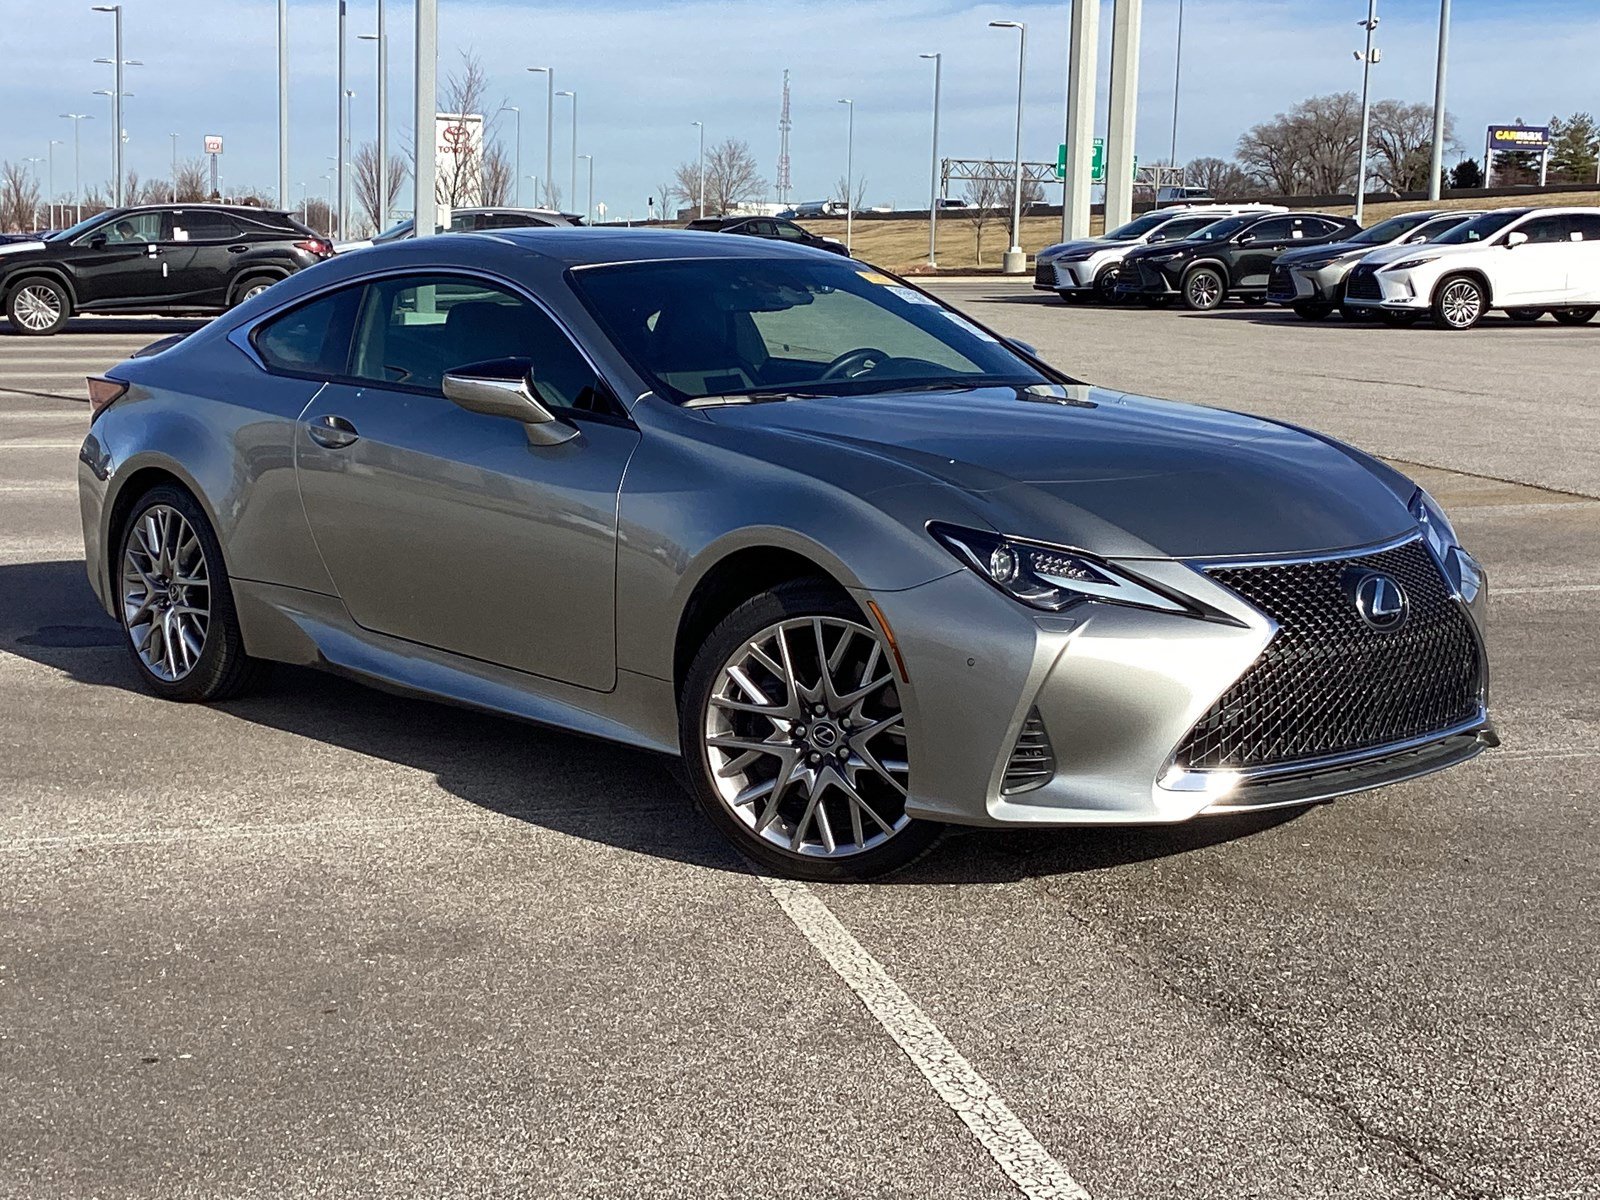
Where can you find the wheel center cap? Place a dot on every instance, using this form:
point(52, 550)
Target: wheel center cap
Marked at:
point(824, 735)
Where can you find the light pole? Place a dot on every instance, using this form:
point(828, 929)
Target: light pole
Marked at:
point(700, 204)
point(1177, 82)
point(51, 154)
point(34, 162)
point(303, 210)
point(327, 178)
point(574, 183)
point(174, 188)
point(283, 102)
point(516, 177)
point(1015, 261)
point(425, 175)
point(346, 179)
point(933, 181)
point(381, 149)
point(117, 62)
point(1436, 158)
point(588, 205)
point(1367, 59)
point(534, 179)
point(850, 175)
point(549, 130)
point(77, 120)
point(342, 133)
point(116, 147)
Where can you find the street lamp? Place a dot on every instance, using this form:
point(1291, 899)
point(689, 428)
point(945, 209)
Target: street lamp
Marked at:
point(700, 205)
point(342, 129)
point(283, 99)
point(549, 129)
point(1177, 82)
point(1366, 60)
point(346, 165)
point(51, 153)
point(1436, 158)
point(574, 184)
point(1015, 261)
point(33, 162)
point(382, 148)
point(588, 206)
point(516, 178)
point(933, 181)
point(849, 175)
point(77, 175)
point(174, 189)
point(117, 62)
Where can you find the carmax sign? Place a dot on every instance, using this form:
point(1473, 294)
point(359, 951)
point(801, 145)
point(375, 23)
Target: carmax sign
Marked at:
point(1519, 137)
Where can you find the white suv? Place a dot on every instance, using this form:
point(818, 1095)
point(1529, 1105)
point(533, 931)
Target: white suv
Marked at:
point(1528, 261)
point(1089, 267)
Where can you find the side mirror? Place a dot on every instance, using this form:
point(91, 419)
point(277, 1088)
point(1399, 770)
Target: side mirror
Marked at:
point(1515, 238)
point(97, 242)
point(503, 387)
point(1416, 239)
point(1027, 348)
point(1246, 238)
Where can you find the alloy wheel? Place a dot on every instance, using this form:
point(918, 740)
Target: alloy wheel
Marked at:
point(254, 290)
point(1461, 303)
point(36, 307)
point(1205, 291)
point(166, 593)
point(806, 740)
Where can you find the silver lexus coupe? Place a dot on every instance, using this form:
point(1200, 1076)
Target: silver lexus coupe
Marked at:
point(867, 566)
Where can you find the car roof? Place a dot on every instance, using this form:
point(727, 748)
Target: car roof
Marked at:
point(585, 246)
point(190, 206)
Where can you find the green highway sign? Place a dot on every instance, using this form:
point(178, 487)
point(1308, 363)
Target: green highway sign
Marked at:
point(1097, 164)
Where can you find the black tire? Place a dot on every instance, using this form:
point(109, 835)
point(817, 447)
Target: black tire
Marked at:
point(1073, 297)
point(1204, 289)
point(1574, 316)
point(787, 601)
point(222, 669)
point(1397, 318)
point(1525, 315)
point(244, 288)
point(1105, 285)
point(1354, 315)
point(38, 306)
point(1459, 303)
point(1311, 310)
point(1155, 301)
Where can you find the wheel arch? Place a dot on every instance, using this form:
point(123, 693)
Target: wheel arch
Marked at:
point(136, 482)
point(249, 271)
point(16, 275)
point(1476, 274)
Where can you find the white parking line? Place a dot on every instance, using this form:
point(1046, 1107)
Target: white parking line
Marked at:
point(1028, 1164)
point(1546, 589)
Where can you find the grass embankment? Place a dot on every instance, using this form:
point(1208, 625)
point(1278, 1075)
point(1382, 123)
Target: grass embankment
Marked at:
point(902, 244)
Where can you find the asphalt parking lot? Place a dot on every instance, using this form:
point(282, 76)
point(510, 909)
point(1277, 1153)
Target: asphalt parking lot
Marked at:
point(323, 941)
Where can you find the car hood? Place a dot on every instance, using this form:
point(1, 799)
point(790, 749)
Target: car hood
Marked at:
point(1392, 253)
point(1115, 475)
point(1060, 248)
point(18, 247)
point(1328, 250)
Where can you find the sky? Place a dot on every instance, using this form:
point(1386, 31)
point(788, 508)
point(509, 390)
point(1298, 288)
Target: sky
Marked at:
point(645, 70)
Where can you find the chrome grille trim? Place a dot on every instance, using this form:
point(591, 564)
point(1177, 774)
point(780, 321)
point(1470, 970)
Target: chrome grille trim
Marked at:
point(1033, 759)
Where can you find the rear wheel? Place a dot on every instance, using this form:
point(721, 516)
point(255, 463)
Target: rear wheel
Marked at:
point(1575, 316)
point(38, 306)
point(793, 739)
point(252, 286)
point(1525, 314)
point(1459, 303)
point(176, 604)
point(1311, 310)
point(1203, 289)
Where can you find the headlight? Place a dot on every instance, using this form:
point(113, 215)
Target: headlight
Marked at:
point(1050, 578)
point(1460, 568)
point(1076, 256)
point(1408, 264)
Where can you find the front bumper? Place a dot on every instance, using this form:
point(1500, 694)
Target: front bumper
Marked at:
point(1145, 280)
point(1297, 285)
point(1401, 291)
point(1074, 276)
point(1116, 691)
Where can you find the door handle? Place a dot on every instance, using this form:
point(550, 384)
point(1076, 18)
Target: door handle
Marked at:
point(239, 249)
point(152, 251)
point(333, 432)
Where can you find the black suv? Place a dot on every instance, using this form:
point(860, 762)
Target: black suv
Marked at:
point(767, 227)
point(1231, 257)
point(158, 258)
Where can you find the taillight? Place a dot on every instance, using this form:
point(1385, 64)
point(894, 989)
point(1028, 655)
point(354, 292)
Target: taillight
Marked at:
point(102, 392)
point(315, 246)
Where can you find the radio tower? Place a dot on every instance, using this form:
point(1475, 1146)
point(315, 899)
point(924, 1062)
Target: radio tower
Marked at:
point(784, 125)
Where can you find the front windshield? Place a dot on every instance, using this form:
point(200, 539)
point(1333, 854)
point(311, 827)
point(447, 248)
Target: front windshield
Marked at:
point(1137, 227)
point(1479, 228)
point(1221, 230)
point(1385, 232)
point(64, 235)
point(393, 233)
point(736, 326)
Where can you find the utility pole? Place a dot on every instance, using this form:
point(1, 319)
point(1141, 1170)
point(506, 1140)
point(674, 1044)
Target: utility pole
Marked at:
point(700, 204)
point(77, 120)
point(785, 181)
point(1177, 85)
point(1016, 261)
point(423, 205)
point(549, 132)
point(1436, 158)
point(573, 185)
point(933, 181)
point(51, 153)
point(283, 106)
point(1367, 59)
point(174, 138)
point(117, 93)
point(849, 175)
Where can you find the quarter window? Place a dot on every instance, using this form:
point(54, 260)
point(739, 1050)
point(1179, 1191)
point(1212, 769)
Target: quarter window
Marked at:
point(313, 339)
point(412, 329)
point(1583, 227)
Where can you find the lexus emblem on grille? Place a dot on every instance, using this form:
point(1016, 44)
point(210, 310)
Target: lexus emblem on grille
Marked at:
point(1380, 600)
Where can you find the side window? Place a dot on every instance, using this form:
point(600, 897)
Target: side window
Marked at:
point(135, 227)
point(203, 226)
point(313, 339)
point(463, 222)
point(764, 229)
point(1279, 229)
point(1583, 227)
point(1545, 229)
point(790, 233)
point(413, 329)
point(1316, 227)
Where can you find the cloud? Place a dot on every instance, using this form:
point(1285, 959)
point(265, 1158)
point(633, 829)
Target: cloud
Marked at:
point(645, 71)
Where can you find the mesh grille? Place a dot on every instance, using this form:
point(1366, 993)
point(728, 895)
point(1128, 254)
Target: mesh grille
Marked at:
point(1280, 284)
point(1045, 273)
point(1328, 683)
point(1151, 277)
point(1033, 760)
point(1363, 284)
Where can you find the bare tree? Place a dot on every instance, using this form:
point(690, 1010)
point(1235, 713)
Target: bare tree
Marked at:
point(841, 194)
point(367, 186)
point(731, 178)
point(193, 180)
point(19, 197)
point(315, 214)
point(466, 91)
point(1223, 180)
point(983, 197)
point(499, 175)
point(664, 194)
point(1313, 147)
point(1402, 144)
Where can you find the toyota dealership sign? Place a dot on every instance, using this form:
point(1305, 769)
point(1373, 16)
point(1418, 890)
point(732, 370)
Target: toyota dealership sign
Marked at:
point(458, 149)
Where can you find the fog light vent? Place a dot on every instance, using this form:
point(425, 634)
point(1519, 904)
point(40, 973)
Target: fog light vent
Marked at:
point(1033, 759)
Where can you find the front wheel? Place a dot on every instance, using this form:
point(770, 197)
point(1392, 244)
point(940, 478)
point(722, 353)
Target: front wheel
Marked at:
point(1459, 303)
point(1574, 316)
point(1311, 310)
point(1203, 289)
point(793, 738)
point(38, 307)
point(1105, 285)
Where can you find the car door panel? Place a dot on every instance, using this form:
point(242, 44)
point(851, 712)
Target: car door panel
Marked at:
point(125, 270)
point(1534, 272)
point(1252, 260)
point(1583, 259)
point(449, 529)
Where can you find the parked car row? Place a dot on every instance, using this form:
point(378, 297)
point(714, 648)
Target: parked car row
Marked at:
point(1455, 264)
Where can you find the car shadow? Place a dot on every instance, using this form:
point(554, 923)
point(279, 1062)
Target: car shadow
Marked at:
point(155, 327)
point(578, 786)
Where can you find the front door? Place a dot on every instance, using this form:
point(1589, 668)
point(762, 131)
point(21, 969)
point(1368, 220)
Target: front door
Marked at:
point(118, 264)
point(449, 528)
point(1534, 272)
